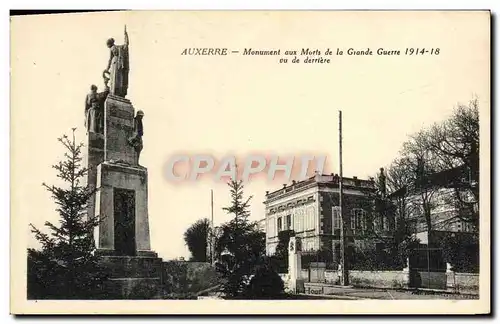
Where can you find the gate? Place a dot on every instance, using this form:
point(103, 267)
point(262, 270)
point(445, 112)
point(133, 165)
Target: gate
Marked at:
point(427, 268)
point(317, 272)
point(314, 265)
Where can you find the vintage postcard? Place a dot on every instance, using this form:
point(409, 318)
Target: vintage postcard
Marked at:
point(250, 162)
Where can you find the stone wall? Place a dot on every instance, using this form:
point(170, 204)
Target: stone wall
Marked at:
point(332, 277)
point(382, 279)
point(466, 283)
point(183, 277)
point(463, 282)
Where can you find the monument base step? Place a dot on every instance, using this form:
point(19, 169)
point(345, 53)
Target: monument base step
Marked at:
point(131, 267)
point(132, 277)
point(133, 288)
point(108, 252)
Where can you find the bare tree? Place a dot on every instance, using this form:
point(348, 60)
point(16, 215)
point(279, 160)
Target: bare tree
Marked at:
point(421, 164)
point(399, 181)
point(455, 144)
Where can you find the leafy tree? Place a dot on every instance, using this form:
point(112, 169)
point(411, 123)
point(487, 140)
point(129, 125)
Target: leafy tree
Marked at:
point(66, 267)
point(241, 246)
point(196, 237)
point(281, 254)
point(461, 250)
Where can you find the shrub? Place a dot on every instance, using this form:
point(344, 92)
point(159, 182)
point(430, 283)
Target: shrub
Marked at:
point(266, 283)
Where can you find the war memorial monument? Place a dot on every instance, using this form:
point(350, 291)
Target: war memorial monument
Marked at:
point(115, 133)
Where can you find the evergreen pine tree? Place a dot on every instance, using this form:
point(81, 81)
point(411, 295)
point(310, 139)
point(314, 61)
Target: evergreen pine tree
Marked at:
point(66, 267)
point(241, 244)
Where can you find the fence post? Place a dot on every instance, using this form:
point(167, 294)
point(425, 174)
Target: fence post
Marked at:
point(406, 273)
point(450, 278)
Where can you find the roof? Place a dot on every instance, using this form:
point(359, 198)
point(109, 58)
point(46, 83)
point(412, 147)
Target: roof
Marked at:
point(324, 179)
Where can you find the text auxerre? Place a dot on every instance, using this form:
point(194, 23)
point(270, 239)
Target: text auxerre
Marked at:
point(204, 51)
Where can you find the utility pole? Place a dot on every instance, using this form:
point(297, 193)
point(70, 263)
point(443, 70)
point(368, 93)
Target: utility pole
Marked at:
point(212, 234)
point(343, 263)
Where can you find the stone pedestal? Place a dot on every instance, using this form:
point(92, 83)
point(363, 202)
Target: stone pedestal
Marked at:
point(118, 128)
point(295, 266)
point(121, 202)
point(122, 205)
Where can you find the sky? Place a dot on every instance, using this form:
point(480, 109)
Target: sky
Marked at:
point(235, 104)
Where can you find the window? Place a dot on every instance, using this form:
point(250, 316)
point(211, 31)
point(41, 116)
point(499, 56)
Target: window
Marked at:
point(464, 227)
point(288, 222)
point(358, 218)
point(271, 225)
point(336, 217)
point(280, 223)
point(310, 218)
point(295, 220)
point(298, 219)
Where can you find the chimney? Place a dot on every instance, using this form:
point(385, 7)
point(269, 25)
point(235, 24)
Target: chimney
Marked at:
point(293, 182)
point(355, 178)
point(267, 192)
point(284, 185)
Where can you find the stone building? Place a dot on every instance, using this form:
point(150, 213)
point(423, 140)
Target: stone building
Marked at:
point(440, 195)
point(310, 209)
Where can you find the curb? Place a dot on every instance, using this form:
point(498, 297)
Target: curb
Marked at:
point(335, 297)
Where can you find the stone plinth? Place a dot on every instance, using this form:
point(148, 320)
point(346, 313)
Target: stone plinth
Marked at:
point(115, 179)
point(295, 265)
point(118, 128)
point(133, 277)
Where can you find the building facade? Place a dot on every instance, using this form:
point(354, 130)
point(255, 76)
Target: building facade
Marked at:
point(444, 214)
point(310, 209)
point(439, 195)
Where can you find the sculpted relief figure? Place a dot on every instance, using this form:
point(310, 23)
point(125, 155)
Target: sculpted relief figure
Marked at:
point(136, 139)
point(118, 66)
point(94, 106)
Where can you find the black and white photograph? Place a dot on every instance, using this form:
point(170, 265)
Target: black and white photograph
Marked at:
point(237, 160)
